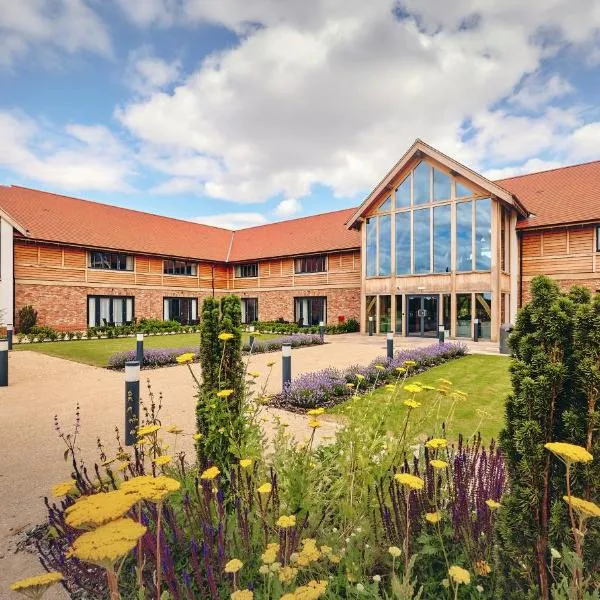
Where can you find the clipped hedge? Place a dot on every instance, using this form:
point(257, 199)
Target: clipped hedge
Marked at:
point(349, 326)
point(328, 387)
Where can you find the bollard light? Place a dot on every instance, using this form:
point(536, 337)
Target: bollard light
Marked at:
point(9, 335)
point(3, 362)
point(441, 334)
point(322, 330)
point(132, 401)
point(286, 365)
point(390, 345)
point(139, 348)
point(370, 325)
point(476, 330)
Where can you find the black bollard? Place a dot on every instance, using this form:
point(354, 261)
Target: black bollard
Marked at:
point(9, 335)
point(139, 348)
point(476, 330)
point(322, 330)
point(3, 362)
point(390, 345)
point(370, 325)
point(441, 334)
point(132, 401)
point(286, 365)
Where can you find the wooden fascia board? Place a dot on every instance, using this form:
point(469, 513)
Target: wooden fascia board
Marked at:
point(6, 217)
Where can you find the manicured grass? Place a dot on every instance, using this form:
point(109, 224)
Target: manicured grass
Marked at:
point(97, 352)
point(484, 378)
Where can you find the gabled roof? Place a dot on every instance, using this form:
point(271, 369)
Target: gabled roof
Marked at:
point(318, 233)
point(560, 196)
point(48, 217)
point(420, 148)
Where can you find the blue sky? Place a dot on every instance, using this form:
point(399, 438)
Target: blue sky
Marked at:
point(237, 113)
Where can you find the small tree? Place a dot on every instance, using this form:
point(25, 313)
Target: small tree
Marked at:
point(209, 343)
point(27, 318)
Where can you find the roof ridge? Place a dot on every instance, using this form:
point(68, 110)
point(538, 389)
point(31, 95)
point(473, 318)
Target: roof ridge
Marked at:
point(327, 212)
point(230, 246)
point(562, 168)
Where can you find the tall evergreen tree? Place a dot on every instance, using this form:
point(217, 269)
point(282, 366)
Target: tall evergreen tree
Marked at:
point(209, 343)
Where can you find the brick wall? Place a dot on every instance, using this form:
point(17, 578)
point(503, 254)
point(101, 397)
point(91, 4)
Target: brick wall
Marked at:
point(593, 284)
point(65, 307)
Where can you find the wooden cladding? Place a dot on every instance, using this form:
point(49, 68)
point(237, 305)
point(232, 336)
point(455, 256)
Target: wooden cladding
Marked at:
point(560, 252)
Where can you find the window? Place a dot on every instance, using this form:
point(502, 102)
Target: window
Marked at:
point(247, 270)
point(110, 260)
point(385, 245)
point(463, 315)
point(183, 310)
point(371, 312)
point(597, 239)
point(463, 191)
point(446, 311)
point(421, 184)
point(386, 206)
point(371, 247)
point(403, 193)
point(483, 312)
point(421, 254)
point(109, 310)
point(311, 264)
point(503, 228)
point(249, 310)
point(441, 186)
point(403, 243)
point(464, 236)
point(179, 267)
point(483, 235)
point(310, 310)
point(399, 313)
point(385, 314)
point(441, 238)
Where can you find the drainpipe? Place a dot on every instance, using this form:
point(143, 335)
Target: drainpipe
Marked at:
point(212, 270)
point(520, 270)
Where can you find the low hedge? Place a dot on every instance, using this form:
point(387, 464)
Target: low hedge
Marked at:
point(349, 326)
point(160, 357)
point(329, 387)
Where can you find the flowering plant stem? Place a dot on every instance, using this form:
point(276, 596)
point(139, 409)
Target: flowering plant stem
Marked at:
point(576, 536)
point(158, 550)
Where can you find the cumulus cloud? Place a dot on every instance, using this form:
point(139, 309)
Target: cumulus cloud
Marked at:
point(533, 165)
point(536, 92)
point(238, 220)
point(288, 207)
point(36, 28)
point(147, 73)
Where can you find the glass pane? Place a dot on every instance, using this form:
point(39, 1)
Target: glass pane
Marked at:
point(464, 233)
point(129, 263)
point(403, 193)
point(317, 310)
point(371, 247)
point(430, 315)
point(413, 321)
point(399, 314)
point(117, 311)
point(403, 243)
point(422, 177)
point(503, 303)
point(421, 241)
point(502, 238)
point(129, 310)
point(194, 309)
point(441, 238)
point(92, 312)
point(104, 311)
point(441, 185)
point(386, 206)
point(166, 309)
point(483, 235)
point(483, 312)
point(463, 190)
point(385, 244)
point(371, 312)
point(385, 314)
point(446, 311)
point(243, 307)
point(463, 315)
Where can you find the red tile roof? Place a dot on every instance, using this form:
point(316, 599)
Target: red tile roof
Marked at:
point(63, 219)
point(318, 233)
point(560, 196)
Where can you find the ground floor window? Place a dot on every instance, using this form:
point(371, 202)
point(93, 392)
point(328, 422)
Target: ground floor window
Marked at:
point(483, 312)
point(249, 310)
point(371, 312)
point(183, 310)
point(109, 310)
point(385, 314)
point(446, 311)
point(463, 315)
point(310, 310)
point(399, 314)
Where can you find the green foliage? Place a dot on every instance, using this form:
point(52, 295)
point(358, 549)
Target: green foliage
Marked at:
point(209, 344)
point(27, 318)
point(351, 325)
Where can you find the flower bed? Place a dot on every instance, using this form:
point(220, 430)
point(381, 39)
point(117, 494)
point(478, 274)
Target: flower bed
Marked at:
point(330, 386)
point(160, 357)
point(349, 326)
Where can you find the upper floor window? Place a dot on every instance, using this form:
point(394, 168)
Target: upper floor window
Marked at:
point(311, 264)
point(247, 270)
point(179, 267)
point(110, 260)
point(598, 239)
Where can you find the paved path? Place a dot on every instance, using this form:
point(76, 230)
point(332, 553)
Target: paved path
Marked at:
point(42, 386)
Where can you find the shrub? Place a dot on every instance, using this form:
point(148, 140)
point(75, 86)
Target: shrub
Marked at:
point(27, 318)
point(43, 332)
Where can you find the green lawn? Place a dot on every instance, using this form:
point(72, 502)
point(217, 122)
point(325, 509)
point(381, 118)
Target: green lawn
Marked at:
point(484, 378)
point(97, 352)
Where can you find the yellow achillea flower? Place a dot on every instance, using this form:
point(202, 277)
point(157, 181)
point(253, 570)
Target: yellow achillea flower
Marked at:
point(224, 393)
point(395, 551)
point(160, 461)
point(411, 403)
point(245, 463)
point(316, 411)
point(187, 357)
point(269, 556)
point(585, 508)
point(234, 565)
point(459, 575)
point(380, 367)
point(210, 473)
point(445, 381)
point(152, 489)
point(174, 429)
point(287, 574)
point(401, 370)
point(34, 587)
point(433, 517)
point(570, 453)
point(311, 591)
point(492, 504)
point(97, 509)
point(226, 336)
point(482, 568)
point(413, 388)
point(147, 430)
point(286, 521)
point(435, 443)
point(197, 436)
point(411, 481)
point(314, 423)
point(350, 385)
point(409, 363)
point(360, 377)
point(242, 595)
point(265, 488)
point(438, 464)
point(62, 489)
point(334, 558)
point(254, 374)
point(270, 363)
point(105, 545)
point(123, 465)
point(326, 550)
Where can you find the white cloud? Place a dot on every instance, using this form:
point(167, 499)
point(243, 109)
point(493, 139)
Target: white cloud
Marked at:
point(38, 29)
point(288, 207)
point(147, 73)
point(334, 91)
point(533, 165)
point(80, 157)
point(151, 12)
point(238, 220)
point(536, 92)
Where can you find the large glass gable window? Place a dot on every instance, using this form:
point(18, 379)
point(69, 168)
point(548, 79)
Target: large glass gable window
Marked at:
point(442, 233)
point(421, 254)
point(403, 193)
point(386, 206)
point(441, 186)
point(403, 243)
point(421, 184)
point(483, 235)
point(385, 245)
point(464, 236)
point(371, 247)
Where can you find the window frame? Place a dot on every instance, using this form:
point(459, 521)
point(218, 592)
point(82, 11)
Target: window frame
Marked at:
point(187, 264)
point(120, 256)
point(238, 270)
point(597, 238)
point(245, 309)
point(310, 299)
point(190, 320)
point(111, 297)
point(303, 260)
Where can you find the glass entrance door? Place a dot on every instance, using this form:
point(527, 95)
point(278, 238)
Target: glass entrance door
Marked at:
point(422, 316)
